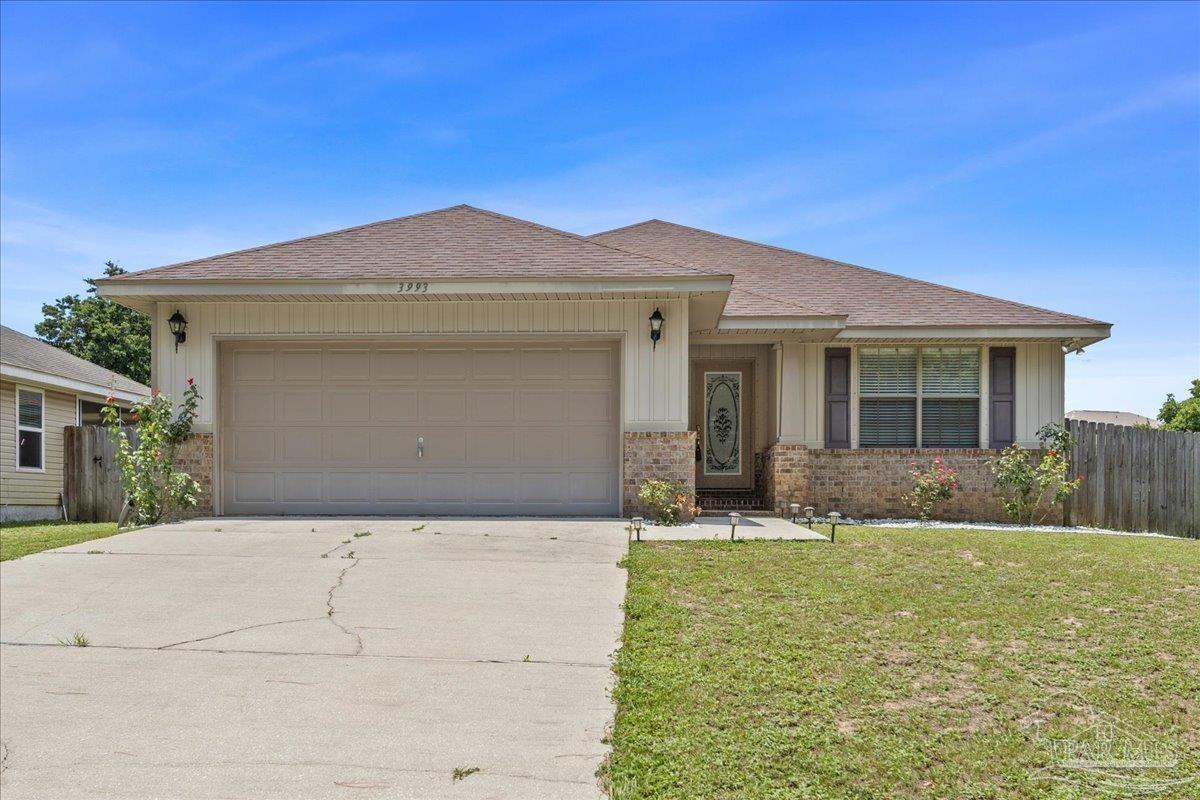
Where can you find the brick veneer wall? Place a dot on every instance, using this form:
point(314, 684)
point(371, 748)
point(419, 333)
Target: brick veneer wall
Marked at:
point(871, 483)
point(195, 457)
point(667, 455)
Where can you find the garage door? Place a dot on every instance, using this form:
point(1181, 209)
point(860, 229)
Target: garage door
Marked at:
point(431, 428)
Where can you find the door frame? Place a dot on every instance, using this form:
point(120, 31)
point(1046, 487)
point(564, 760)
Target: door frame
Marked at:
point(696, 399)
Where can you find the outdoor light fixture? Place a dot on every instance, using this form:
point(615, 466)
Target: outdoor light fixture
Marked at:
point(833, 521)
point(178, 328)
point(809, 513)
point(795, 512)
point(656, 322)
point(734, 518)
point(637, 522)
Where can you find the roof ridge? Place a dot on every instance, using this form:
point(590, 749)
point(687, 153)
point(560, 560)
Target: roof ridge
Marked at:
point(298, 239)
point(865, 269)
point(588, 240)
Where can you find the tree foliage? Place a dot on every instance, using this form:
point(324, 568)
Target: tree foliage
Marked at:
point(99, 330)
point(1182, 416)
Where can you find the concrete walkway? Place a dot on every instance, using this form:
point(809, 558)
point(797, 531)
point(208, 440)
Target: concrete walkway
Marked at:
point(748, 528)
point(287, 658)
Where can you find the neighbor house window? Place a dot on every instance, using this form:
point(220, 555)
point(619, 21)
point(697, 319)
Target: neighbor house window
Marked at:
point(910, 395)
point(90, 413)
point(31, 429)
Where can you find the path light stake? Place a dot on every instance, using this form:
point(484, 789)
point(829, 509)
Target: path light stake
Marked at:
point(734, 518)
point(795, 512)
point(809, 513)
point(637, 526)
point(833, 521)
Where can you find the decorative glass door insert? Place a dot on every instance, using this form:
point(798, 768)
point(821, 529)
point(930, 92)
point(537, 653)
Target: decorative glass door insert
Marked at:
point(723, 423)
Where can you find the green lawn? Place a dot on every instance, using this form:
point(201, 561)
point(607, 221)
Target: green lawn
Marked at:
point(22, 538)
point(898, 663)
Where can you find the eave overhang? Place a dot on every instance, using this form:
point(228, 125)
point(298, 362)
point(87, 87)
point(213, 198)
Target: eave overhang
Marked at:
point(1072, 337)
point(48, 380)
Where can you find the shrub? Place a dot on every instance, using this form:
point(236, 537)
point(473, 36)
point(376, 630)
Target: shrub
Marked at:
point(670, 503)
point(153, 485)
point(933, 485)
point(1034, 486)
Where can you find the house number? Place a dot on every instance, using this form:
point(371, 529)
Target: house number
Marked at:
point(417, 287)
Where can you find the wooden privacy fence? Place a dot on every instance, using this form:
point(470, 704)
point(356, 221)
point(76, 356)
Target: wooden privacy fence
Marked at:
point(1136, 479)
point(91, 481)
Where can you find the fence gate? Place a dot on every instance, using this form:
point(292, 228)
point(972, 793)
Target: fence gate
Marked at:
point(91, 481)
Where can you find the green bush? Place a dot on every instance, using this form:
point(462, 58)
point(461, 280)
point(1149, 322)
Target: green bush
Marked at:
point(670, 503)
point(931, 486)
point(1035, 486)
point(153, 485)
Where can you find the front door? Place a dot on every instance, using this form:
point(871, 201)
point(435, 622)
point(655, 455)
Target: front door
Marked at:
point(722, 403)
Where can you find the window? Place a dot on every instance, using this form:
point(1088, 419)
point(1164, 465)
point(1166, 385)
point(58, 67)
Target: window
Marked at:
point(887, 389)
point(909, 395)
point(89, 414)
point(30, 429)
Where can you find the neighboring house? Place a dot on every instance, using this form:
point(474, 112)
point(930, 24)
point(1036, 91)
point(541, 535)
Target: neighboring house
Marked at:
point(1113, 418)
point(42, 390)
point(466, 362)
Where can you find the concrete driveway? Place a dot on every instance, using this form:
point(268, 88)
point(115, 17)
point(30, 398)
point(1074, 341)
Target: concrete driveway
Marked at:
point(273, 658)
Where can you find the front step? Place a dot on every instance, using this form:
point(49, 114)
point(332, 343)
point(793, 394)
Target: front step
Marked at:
point(745, 512)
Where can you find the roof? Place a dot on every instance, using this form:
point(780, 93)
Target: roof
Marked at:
point(1112, 418)
point(457, 242)
point(31, 355)
point(772, 281)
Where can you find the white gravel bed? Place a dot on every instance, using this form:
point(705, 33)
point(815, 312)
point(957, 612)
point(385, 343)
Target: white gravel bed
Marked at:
point(996, 526)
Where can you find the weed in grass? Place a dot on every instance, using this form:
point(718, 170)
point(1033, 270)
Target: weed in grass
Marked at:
point(464, 772)
point(76, 639)
point(361, 534)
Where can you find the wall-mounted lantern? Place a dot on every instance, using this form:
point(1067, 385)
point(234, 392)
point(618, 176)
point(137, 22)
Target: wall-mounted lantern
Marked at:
point(178, 328)
point(656, 323)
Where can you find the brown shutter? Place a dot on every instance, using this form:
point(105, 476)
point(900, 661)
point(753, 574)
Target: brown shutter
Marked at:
point(1002, 389)
point(837, 397)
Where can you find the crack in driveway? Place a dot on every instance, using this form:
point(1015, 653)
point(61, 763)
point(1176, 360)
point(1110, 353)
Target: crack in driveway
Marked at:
point(237, 630)
point(330, 611)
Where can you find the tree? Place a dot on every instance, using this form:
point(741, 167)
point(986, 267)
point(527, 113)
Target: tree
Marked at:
point(1182, 416)
point(99, 330)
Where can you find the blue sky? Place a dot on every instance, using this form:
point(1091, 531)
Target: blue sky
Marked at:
point(1045, 153)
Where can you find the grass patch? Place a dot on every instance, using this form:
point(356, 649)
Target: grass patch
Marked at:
point(897, 664)
point(24, 538)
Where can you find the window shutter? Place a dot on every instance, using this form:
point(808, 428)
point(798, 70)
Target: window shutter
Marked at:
point(950, 422)
point(949, 371)
point(1002, 390)
point(887, 422)
point(837, 397)
point(887, 370)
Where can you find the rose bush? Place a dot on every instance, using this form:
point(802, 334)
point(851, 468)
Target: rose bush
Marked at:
point(669, 503)
point(154, 486)
point(933, 485)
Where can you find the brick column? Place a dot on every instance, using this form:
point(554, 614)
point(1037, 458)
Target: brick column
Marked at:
point(787, 475)
point(195, 457)
point(665, 455)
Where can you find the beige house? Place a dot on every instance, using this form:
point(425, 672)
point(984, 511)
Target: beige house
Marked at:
point(465, 362)
point(42, 390)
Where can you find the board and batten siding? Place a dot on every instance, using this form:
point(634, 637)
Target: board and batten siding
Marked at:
point(1039, 391)
point(653, 380)
point(29, 487)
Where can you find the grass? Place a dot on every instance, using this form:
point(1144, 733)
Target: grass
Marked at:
point(24, 538)
point(898, 664)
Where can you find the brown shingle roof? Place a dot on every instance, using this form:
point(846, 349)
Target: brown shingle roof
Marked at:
point(457, 242)
point(769, 281)
point(19, 350)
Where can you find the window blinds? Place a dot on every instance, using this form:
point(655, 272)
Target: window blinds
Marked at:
point(887, 370)
point(949, 371)
point(950, 422)
point(887, 422)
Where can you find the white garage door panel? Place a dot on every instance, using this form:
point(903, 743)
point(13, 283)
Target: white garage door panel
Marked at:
point(332, 429)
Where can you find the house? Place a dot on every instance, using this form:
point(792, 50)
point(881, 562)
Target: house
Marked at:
point(42, 390)
point(465, 362)
point(1113, 418)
